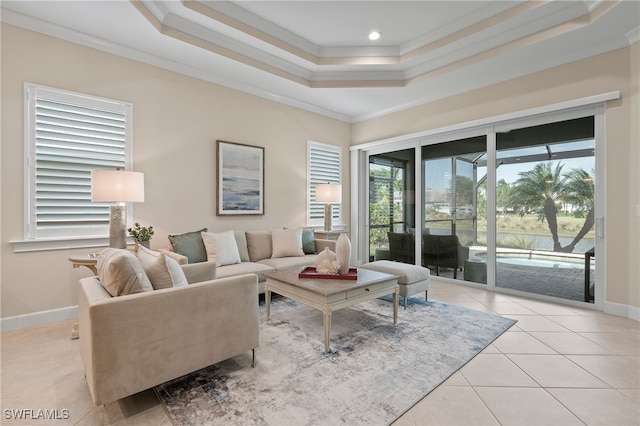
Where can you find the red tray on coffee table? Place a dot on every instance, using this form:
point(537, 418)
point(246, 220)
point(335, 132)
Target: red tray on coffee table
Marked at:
point(312, 272)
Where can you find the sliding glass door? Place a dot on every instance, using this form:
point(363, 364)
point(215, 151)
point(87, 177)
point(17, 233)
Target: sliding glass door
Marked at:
point(511, 206)
point(391, 206)
point(454, 223)
point(545, 202)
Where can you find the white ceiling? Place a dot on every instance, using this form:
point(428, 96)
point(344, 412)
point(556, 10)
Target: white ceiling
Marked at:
point(315, 54)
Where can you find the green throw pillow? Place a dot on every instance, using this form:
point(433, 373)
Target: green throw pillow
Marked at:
point(190, 244)
point(308, 241)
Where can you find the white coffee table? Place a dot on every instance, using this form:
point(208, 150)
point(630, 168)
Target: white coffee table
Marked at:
point(328, 295)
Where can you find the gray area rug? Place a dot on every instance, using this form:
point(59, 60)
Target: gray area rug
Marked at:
point(374, 373)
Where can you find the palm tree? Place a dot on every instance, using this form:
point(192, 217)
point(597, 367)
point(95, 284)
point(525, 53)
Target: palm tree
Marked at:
point(543, 186)
point(503, 195)
point(581, 191)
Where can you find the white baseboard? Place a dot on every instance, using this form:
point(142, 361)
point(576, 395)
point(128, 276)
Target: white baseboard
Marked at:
point(634, 313)
point(620, 310)
point(71, 312)
point(38, 318)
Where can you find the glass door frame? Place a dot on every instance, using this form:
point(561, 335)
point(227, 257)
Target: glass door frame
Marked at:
point(580, 108)
point(597, 110)
point(393, 164)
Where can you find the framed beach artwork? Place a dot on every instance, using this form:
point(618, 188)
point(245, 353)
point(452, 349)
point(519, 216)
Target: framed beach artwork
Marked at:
point(240, 176)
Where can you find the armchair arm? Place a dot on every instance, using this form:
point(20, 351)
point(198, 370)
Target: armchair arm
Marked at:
point(182, 260)
point(321, 244)
point(199, 272)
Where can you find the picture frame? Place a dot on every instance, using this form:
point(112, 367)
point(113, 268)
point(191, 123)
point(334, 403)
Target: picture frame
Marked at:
point(240, 179)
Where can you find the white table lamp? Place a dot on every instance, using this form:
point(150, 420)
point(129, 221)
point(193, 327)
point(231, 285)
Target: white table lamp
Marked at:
point(329, 193)
point(117, 186)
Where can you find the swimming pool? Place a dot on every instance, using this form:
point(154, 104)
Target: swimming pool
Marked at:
point(539, 260)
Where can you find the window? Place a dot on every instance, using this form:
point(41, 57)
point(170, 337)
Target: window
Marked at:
point(67, 136)
point(324, 165)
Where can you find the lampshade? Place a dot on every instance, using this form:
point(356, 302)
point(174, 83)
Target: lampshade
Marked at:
point(329, 193)
point(117, 185)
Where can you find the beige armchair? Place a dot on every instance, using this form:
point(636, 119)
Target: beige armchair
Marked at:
point(134, 342)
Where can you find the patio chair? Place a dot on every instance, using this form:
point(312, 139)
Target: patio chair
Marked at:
point(445, 251)
point(401, 247)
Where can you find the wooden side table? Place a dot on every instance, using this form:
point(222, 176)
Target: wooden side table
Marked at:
point(89, 260)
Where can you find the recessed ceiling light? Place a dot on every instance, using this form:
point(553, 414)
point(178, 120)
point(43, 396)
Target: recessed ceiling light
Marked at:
point(374, 35)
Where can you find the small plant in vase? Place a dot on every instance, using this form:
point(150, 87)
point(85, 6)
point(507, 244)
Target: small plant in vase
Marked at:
point(141, 234)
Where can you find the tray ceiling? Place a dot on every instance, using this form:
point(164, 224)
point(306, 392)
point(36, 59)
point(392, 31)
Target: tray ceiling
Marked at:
point(316, 54)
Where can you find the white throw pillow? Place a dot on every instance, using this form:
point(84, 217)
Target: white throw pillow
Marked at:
point(178, 278)
point(163, 271)
point(221, 248)
point(286, 242)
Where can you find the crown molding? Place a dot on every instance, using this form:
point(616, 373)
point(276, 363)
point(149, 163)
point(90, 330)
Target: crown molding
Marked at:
point(14, 18)
point(515, 27)
point(448, 72)
point(249, 23)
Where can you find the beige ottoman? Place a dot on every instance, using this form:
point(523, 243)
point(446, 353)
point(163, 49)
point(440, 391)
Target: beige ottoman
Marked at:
point(412, 279)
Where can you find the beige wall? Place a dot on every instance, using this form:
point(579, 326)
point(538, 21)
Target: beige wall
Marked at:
point(604, 73)
point(177, 120)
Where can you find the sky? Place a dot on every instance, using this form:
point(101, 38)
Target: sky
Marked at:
point(440, 171)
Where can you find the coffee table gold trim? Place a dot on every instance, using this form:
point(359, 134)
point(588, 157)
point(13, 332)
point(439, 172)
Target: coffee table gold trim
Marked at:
point(330, 295)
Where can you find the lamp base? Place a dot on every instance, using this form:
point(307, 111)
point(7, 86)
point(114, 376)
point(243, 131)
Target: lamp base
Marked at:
point(328, 217)
point(118, 226)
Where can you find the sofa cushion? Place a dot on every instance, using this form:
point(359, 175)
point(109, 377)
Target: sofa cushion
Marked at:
point(244, 268)
point(407, 274)
point(286, 242)
point(221, 248)
point(121, 273)
point(308, 241)
point(162, 271)
point(284, 263)
point(259, 245)
point(241, 242)
point(190, 244)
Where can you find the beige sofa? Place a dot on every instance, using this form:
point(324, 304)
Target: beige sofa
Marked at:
point(256, 250)
point(134, 342)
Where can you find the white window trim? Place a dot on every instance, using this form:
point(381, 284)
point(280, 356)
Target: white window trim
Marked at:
point(30, 241)
point(338, 223)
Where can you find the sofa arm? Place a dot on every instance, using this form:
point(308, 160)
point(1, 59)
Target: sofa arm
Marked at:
point(199, 272)
point(321, 244)
point(132, 343)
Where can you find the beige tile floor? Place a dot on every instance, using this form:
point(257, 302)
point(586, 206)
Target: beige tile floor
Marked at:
point(558, 365)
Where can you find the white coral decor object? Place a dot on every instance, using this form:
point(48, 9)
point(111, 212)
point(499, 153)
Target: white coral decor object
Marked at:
point(326, 262)
point(329, 267)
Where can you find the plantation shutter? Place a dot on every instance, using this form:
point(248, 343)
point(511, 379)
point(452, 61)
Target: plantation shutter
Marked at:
point(324, 167)
point(71, 136)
